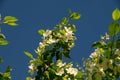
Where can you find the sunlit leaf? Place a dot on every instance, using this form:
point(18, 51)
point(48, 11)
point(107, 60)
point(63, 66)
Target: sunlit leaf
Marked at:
point(10, 19)
point(2, 35)
point(72, 26)
point(80, 74)
point(62, 31)
point(75, 16)
point(3, 41)
point(6, 76)
point(64, 20)
point(41, 31)
point(116, 14)
point(12, 24)
point(28, 78)
point(114, 28)
point(28, 54)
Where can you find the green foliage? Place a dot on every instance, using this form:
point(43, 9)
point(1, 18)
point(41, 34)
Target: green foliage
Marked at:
point(116, 14)
point(28, 54)
point(41, 31)
point(99, 44)
point(102, 64)
point(10, 20)
point(56, 44)
point(75, 16)
point(114, 28)
point(3, 41)
point(6, 75)
point(64, 21)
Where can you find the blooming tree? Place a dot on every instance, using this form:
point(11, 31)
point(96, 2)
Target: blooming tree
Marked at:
point(102, 64)
point(55, 45)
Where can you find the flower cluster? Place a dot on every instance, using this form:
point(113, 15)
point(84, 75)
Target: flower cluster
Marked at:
point(103, 63)
point(61, 34)
point(55, 45)
point(66, 70)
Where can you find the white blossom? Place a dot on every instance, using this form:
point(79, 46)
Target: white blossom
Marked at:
point(60, 72)
point(51, 40)
point(31, 67)
point(60, 64)
point(93, 55)
point(72, 71)
point(107, 36)
point(102, 37)
point(47, 33)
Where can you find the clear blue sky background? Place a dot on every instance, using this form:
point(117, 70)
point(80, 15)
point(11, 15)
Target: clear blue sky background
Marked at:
point(45, 14)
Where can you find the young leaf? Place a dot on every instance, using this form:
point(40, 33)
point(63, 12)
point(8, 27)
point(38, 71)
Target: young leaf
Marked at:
point(62, 31)
point(8, 69)
point(72, 26)
point(3, 41)
point(12, 24)
point(10, 19)
point(28, 78)
point(114, 28)
point(28, 54)
point(2, 35)
point(97, 44)
point(116, 14)
point(64, 20)
point(80, 74)
point(75, 16)
point(41, 31)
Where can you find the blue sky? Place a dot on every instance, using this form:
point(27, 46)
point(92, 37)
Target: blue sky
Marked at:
point(45, 14)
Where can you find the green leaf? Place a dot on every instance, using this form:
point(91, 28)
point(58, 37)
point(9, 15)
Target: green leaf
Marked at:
point(10, 19)
point(28, 78)
point(6, 76)
point(1, 60)
point(80, 74)
point(96, 44)
point(62, 32)
point(75, 16)
point(116, 14)
point(64, 21)
point(47, 75)
point(2, 35)
point(12, 24)
point(8, 69)
point(28, 54)
point(114, 28)
point(41, 31)
point(3, 41)
point(72, 26)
